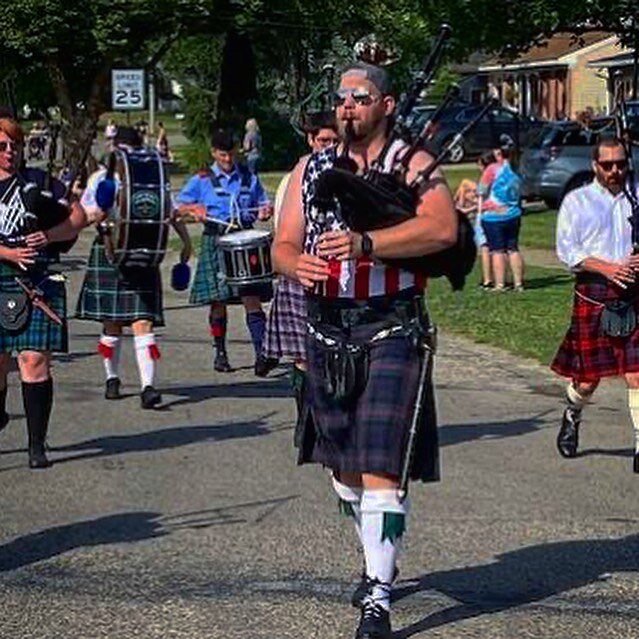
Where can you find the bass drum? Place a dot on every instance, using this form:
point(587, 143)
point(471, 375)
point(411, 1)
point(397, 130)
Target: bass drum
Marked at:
point(138, 232)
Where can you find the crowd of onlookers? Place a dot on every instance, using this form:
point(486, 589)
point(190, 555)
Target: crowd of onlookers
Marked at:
point(493, 203)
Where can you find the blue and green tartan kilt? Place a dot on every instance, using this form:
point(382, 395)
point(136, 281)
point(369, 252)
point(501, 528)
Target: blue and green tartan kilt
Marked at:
point(124, 295)
point(41, 333)
point(209, 285)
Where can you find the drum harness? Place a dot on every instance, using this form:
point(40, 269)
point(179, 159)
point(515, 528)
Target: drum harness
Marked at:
point(235, 222)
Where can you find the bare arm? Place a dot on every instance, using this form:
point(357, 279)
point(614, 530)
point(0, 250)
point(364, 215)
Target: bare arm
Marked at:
point(183, 234)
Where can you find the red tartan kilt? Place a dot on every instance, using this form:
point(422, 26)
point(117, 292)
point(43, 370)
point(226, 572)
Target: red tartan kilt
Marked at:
point(586, 355)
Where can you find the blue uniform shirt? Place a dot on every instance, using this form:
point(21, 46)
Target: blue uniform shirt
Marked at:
point(237, 195)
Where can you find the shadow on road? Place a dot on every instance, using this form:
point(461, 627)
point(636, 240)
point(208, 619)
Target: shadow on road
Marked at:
point(274, 387)
point(522, 577)
point(612, 452)
point(164, 439)
point(449, 435)
point(120, 528)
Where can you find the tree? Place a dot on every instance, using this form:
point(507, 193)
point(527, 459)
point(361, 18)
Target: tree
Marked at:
point(77, 43)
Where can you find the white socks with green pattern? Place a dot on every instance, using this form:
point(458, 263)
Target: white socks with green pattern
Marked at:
point(383, 526)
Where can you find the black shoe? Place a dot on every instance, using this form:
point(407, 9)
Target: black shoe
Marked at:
point(635, 463)
point(112, 390)
point(264, 365)
point(150, 397)
point(364, 586)
point(4, 420)
point(568, 437)
point(38, 457)
point(374, 622)
point(221, 362)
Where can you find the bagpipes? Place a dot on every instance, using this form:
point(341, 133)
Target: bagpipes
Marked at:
point(380, 200)
point(629, 186)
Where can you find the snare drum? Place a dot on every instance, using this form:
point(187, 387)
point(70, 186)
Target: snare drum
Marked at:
point(138, 229)
point(245, 257)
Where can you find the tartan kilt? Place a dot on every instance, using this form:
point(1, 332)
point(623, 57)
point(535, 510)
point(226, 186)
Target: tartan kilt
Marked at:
point(587, 355)
point(209, 285)
point(375, 430)
point(124, 295)
point(285, 337)
point(40, 334)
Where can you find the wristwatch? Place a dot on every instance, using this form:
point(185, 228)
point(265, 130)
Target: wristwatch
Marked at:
point(367, 245)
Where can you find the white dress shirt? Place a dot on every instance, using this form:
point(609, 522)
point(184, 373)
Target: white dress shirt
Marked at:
point(592, 222)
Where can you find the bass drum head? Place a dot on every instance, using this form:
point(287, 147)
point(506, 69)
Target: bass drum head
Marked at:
point(141, 231)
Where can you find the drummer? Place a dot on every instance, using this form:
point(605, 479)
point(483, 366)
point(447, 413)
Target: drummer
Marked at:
point(120, 296)
point(226, 197)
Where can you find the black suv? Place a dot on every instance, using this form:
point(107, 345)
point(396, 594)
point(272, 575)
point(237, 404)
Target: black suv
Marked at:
point(486, 135)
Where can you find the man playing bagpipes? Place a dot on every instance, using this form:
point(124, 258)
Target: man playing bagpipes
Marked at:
point(35, 218)
point(367, 325)
point(595, 241)
point(120, 295)
point(226, 197)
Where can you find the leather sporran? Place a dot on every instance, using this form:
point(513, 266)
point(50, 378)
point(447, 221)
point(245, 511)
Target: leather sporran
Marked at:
point(618, 318)
point(15, 311)
point(345, 372)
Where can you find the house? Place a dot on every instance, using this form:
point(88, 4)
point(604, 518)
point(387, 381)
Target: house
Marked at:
point(551, 80)
point(619, 72)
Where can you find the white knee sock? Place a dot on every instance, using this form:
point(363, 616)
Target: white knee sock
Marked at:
point(383, 525)
point(633, 403)
point(109, 348)
point(146, 352)
point(350, 503)
point(575, 399)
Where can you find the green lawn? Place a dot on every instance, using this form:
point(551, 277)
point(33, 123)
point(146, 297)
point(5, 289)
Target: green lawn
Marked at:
point(530, 324)
point(538, 229)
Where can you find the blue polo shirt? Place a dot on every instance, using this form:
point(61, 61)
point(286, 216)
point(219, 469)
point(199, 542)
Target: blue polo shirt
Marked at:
point(235, 195)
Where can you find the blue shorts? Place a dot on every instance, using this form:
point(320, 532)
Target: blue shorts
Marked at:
point(503, 235)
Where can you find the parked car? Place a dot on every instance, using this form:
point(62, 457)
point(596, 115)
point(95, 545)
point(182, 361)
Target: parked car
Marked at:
point(559, 159)
point(486, 135)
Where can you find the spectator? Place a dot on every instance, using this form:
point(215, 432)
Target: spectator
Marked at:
point(501, 219)
point(252, 145)
point(109, 134)
point(162, 143)
point(468, 200)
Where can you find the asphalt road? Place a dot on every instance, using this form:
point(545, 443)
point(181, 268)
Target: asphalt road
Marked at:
point(193, 521)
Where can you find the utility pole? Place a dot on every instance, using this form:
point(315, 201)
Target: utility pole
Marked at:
point(151, 103)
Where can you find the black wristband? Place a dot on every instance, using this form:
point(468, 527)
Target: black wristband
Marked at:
point(367, 245)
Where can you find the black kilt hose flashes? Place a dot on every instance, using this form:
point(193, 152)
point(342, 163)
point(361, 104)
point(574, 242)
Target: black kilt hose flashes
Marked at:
point(370, 434)
point(40, 334)
point(118, 294)
point(208, 283)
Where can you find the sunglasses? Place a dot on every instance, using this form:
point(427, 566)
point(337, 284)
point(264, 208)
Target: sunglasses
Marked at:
point(607, 165)
point(361, 97)
point(4, 146)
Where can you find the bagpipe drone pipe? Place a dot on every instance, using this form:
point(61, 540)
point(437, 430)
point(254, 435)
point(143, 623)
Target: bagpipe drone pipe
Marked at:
point(378, 200)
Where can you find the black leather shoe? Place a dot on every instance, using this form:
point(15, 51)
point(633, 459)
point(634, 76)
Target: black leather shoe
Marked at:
point(221, 363)
point(374, 622)
point(568, 437)
point(112, 389)
point(150, 397)
point(635, 463)
point(363, 588)
point(264, 365)
point(38, 457)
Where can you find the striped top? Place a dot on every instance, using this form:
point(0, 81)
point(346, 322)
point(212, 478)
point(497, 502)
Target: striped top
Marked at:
point(360, 278)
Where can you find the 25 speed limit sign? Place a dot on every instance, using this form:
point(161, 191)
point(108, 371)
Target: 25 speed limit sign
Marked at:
point(127, 89)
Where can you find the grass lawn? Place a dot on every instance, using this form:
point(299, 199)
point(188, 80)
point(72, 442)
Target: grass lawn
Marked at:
point(538, 229)
point(530, 324)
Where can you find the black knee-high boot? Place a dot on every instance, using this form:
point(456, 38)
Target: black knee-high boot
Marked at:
point(38, 400)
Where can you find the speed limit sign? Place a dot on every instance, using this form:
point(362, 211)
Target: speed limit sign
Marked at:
point(127, 89)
